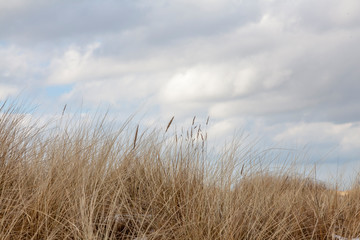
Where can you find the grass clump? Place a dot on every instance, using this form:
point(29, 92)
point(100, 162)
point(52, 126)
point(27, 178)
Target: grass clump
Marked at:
point(89, 180)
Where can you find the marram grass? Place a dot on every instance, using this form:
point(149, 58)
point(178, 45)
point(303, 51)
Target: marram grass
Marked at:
point(94, 181)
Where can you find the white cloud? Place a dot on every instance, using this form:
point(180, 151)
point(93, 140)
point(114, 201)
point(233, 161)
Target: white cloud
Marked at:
point(259, 105)
point(14, 62)
point(7, 91)
point(224, 128)
point(346, 135)
point(337, 14)
point(218, 82)
point(110, 90)
point(201, 83)
point(73, 65)
point(351, 139)
point(318, 16)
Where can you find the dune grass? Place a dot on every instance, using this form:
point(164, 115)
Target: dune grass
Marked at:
point(82, 180)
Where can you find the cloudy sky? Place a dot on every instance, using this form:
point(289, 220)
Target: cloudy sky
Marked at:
point(285, 71)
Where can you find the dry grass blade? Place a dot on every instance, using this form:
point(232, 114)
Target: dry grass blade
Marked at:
point(136, 134)
point(169, 124)
point(63, 111)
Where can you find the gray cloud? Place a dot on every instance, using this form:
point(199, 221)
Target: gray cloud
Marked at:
point(161, 22)
point(68, 21)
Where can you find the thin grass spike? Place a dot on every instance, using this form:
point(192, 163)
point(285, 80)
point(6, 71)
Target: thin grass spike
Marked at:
point(63, 111)
point(136, 134)
point(169, 124)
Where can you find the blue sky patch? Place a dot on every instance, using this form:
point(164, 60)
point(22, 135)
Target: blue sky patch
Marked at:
point(56, 91)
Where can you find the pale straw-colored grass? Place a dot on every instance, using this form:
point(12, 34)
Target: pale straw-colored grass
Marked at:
point(95, 181)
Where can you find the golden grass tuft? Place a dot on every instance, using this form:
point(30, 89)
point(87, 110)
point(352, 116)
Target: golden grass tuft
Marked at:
point(94, 181)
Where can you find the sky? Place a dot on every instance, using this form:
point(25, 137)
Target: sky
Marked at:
point(285, 71)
